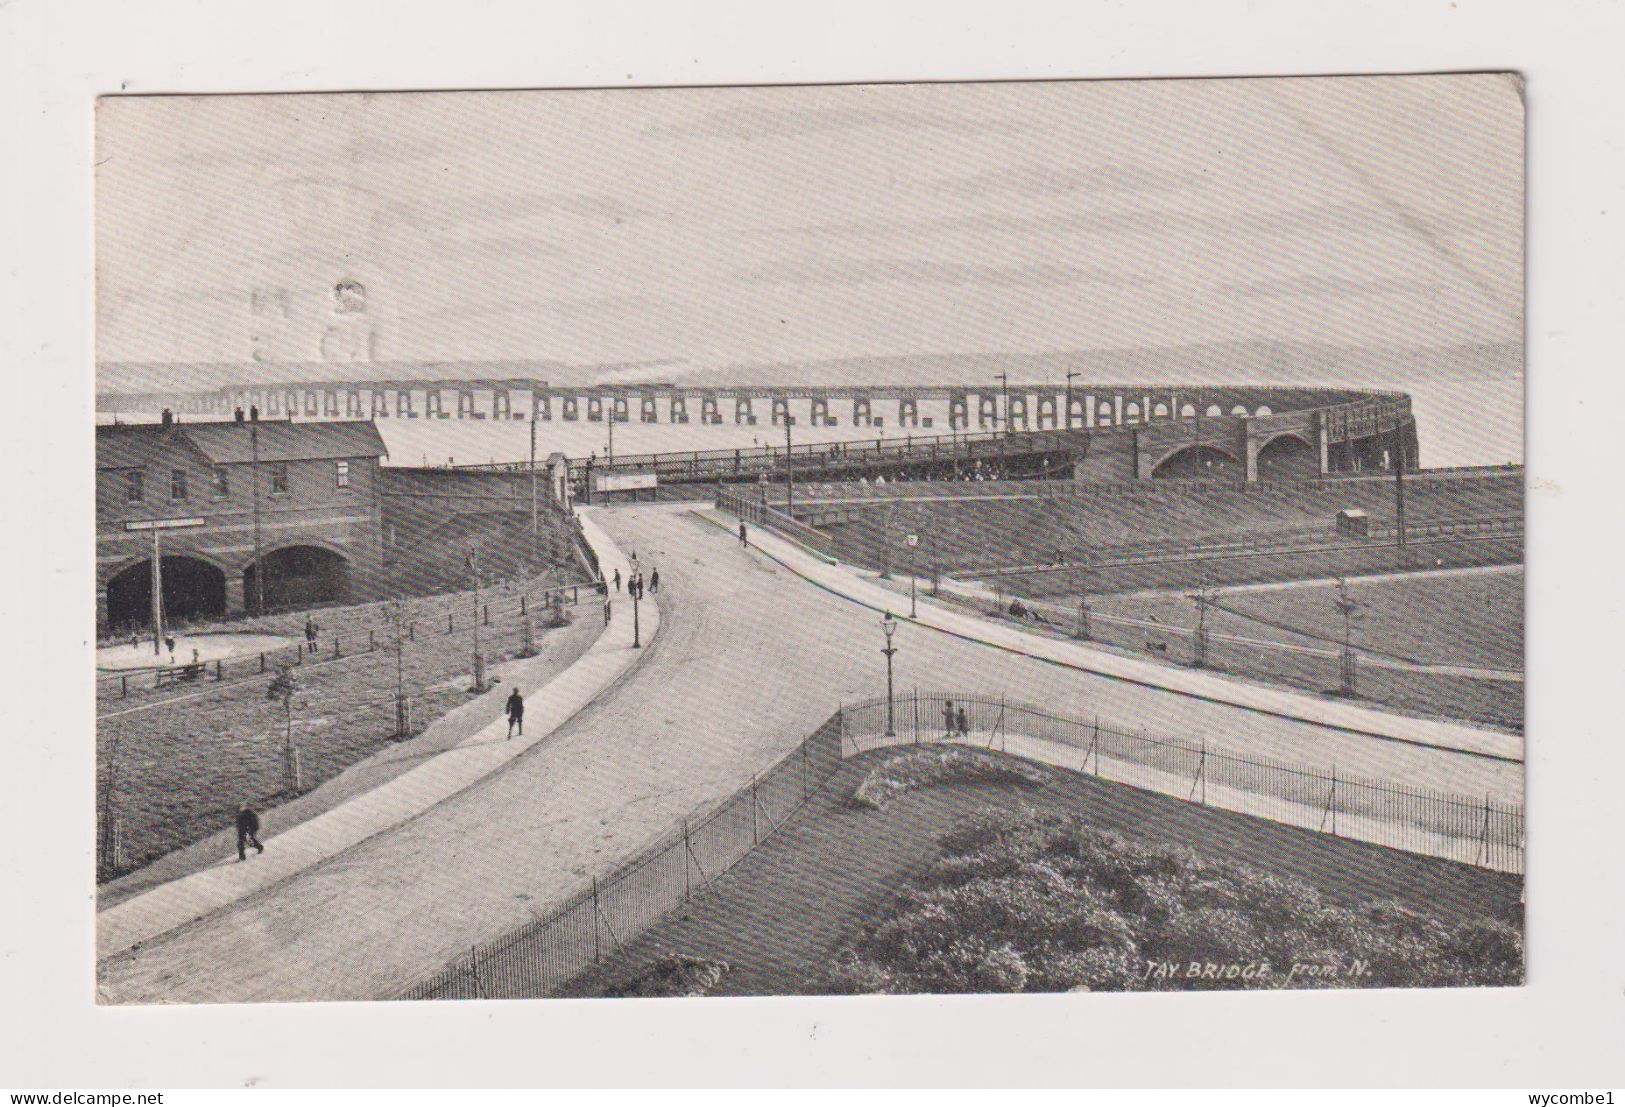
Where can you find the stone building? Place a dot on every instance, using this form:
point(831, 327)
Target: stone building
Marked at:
point(248, 515)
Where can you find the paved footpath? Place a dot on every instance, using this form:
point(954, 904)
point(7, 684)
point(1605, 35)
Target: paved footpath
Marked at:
point(750, 657)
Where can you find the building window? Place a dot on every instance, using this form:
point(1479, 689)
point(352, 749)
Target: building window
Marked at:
point(135, 491)
point(222, 482)
point(341, 474)
point(177, 484)
point(279, 479)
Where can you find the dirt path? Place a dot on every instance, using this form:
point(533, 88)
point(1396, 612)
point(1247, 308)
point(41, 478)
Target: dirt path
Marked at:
point(749, 658)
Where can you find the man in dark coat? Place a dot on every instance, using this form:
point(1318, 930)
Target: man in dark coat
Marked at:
point(516, 712)
point(248, 832)
point(742, 540)
point(654, 580)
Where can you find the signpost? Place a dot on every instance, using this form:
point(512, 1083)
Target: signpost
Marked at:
point(157, 527)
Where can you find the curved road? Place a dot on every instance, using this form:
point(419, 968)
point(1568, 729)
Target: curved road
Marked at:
point(749, 659)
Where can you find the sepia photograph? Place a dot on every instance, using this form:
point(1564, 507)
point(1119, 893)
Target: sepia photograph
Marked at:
point(869, 539)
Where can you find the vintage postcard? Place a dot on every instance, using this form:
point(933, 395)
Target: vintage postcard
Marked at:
point(895, 539)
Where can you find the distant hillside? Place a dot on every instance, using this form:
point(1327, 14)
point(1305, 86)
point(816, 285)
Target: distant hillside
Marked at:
point(1237, 362)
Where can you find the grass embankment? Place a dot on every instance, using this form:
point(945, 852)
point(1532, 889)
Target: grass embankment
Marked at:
point(172, 770)
point(825, 881)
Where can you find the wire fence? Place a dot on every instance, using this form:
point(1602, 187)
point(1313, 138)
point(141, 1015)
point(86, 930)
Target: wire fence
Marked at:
point(601, 919)
point(1478, 831)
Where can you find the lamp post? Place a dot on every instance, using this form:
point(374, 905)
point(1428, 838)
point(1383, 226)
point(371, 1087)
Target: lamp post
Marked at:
point(913, 541)
point(1004, 388)
point(479, 657)
point(1067, 422)
point(888, 627)
point(635, 587)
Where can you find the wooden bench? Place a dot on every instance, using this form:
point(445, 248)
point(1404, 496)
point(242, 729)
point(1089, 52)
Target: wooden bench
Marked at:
point(181, 674)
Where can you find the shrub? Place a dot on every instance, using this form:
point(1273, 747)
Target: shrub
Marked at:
point(1036, 901)
point(934, 766)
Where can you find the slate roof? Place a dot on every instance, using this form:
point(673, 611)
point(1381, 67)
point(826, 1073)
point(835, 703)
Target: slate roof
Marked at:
point(127, 446)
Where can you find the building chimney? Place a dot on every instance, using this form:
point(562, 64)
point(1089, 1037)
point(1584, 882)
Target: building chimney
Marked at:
point(238, 414)
point(167, 417)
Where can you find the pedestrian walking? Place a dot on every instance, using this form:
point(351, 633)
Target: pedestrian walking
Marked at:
point(248, 832)
point(964, 722)
point(169, 644)
point(743, 541)
point(617, 580)
point(196, 657)
point(516, 713)
point(654, 580)
point(310, 632)
point(948, 719)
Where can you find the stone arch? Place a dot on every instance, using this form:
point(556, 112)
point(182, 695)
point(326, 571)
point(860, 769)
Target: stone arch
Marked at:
point(194, 587)
point(1239, 409)
point(1200, 461)
point(1213, 411)
point(299, 573)
point(1160, 411)
point(1188, 411)
point(1131, 413)
point(1263, 410)
point(1287, 456)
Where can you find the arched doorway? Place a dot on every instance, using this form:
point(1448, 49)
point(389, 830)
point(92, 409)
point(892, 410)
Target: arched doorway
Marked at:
point(297, 576)
point(193, 589)
point(1198, 463)
point(1287, 458)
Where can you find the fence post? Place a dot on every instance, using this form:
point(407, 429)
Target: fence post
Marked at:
point(916, 715)
point(124, 686)
point(1331, 805)
point(1484, 836)
point(806, 774)
point(755, 829)
point(474, 970)
point(262, 661)
point(595, 946)
point(1094, 748)
point(372, 641)
point(338, 646)
point(524, 608)
point(219, 669)
point(688, 854)
point(448, 622)
point(411, 632)
point(487, 614)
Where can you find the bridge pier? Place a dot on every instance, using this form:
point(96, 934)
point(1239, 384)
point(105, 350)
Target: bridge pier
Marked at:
point(1047, 408)
point(570, 408)
point(646, 410)
point(330, 403)
point(434, 404)
point(501, 404)
point(710, 415)
point(595, 408)
point(541, 407)
point(1016, 415)
point(862, 414)
point(679, 409)
point(619, 407)
point(908, 411)
point(403, 404)
point(465, 404)
point(818, 414)
point(780, 411)
point(987, 411)
point(742, 411)
point(958, 411)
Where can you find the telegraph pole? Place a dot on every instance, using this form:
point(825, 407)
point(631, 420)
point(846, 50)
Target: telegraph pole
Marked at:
point(1399, 488)
point(1067, 422)
point(534, 528)
point(789, 468)
point(1004, 387)
point(157, 591)
point(259, 568)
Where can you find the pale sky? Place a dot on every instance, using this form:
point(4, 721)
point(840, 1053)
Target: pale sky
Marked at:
point(709, 227)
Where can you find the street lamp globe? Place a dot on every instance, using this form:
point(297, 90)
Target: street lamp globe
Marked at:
point(888, 626)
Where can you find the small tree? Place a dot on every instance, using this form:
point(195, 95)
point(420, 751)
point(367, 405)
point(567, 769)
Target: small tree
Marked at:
point(285, 687)
point(399, 614)
point(1349, 608)
point(1205, 596)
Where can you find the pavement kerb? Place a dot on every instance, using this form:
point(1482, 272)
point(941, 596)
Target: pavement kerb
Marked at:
point(311, 843)
point(1277, 702)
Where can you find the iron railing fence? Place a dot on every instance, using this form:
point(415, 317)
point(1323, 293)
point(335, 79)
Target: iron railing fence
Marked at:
point(600, 920)
point(505, 606)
